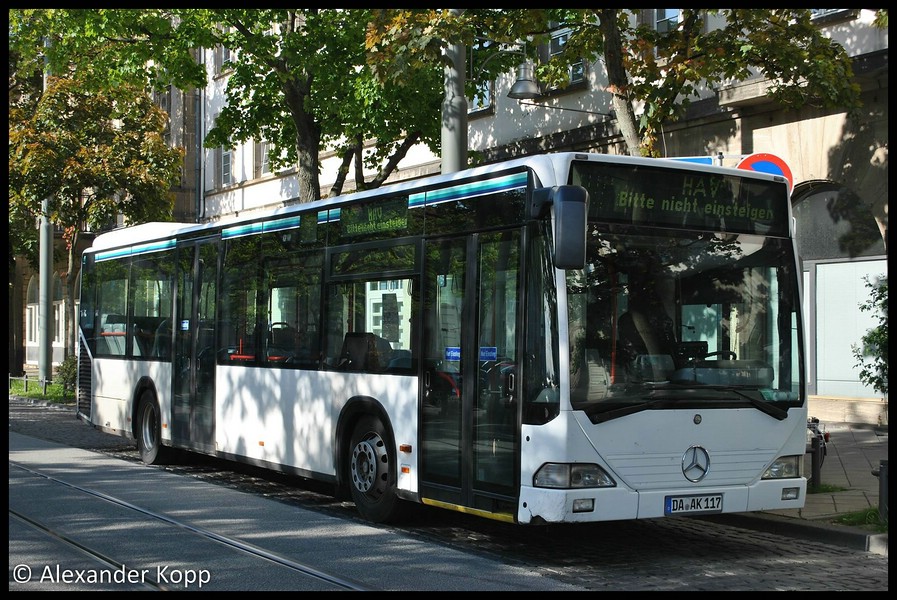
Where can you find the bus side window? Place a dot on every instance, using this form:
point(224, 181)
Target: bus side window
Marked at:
point(162, 340)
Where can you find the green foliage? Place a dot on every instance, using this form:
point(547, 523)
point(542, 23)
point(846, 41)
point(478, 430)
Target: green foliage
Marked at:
point(866, 519)
point(54, 392)
point(60, 390)
point(67, 372)
point(660, 70)
point(872, 355)
point(92, 155)
point(824, 488)
point(298, 79)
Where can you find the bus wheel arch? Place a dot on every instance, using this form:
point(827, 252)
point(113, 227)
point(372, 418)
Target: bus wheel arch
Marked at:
point(367, 466)
point(148, 428)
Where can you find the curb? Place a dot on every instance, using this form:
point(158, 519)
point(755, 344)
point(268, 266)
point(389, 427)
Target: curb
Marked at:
point(839, 535)
point(67, 405)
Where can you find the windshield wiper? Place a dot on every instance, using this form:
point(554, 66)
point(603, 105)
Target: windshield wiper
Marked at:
point(632, 409)
point(770, 409)
point(667, 400)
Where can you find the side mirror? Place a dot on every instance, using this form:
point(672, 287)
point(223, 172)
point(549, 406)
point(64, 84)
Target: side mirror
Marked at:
point(571, 207)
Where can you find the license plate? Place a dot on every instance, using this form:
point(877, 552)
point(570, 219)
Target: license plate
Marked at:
point(689, 505)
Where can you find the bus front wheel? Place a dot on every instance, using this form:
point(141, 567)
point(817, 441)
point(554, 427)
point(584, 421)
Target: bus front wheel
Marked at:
point(372, 471)
point(149, 430)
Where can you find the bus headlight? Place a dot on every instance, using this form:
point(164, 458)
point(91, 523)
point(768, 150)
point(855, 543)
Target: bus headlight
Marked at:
point(784, 467)
point(565, 476)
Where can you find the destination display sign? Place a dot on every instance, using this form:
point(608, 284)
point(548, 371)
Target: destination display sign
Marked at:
point(695, 199)
point(375, 217)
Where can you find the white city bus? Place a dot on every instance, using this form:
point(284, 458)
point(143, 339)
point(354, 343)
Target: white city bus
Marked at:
point(558, 338)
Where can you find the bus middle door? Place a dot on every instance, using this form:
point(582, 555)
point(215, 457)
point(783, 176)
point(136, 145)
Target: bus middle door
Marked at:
point(469, 414)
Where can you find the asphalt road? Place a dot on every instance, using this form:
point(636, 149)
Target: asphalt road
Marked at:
point(655, 555)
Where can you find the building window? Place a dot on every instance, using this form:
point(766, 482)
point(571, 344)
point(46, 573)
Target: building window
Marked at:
point(224, 167)
point(32, 312)
point(262, 164)
point(227, 176)
point(163, 100)
point(825, 16)
point(577, 71)
point(482, 101)
point(222, 57)
point(666, 19)
point(480, 53)
point(224, 159)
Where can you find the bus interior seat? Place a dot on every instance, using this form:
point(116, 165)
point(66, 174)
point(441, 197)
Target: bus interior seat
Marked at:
point(357, 346)
point(284, 337)
point(162, 340)
point(365, 351)
point(401, 359)
point(113, 335)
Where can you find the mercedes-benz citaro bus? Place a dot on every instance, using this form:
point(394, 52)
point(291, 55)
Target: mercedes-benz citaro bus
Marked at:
point(553, 339)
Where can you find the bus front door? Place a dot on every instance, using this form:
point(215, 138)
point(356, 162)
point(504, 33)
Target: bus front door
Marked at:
point(193, 380)
point(469, 415)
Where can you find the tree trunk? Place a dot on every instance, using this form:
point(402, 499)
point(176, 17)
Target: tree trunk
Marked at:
point(308, 141)
point(618, 80)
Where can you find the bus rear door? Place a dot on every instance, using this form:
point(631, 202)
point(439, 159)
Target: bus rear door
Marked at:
point(193, 379)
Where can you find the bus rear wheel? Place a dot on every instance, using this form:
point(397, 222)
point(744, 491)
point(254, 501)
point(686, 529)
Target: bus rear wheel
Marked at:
point(149, 430)
point(372, 471)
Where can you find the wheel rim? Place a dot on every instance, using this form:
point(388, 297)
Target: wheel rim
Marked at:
point(148, 426)
point(370, 464)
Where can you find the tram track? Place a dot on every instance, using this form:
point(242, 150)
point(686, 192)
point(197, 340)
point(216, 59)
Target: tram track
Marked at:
point(109, 563)
point(102, 561)
point(655, 555)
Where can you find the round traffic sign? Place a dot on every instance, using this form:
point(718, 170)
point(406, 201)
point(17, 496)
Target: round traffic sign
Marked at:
point(767, 163)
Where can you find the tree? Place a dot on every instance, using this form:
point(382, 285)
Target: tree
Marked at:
point(658, 72)
point(299, 81)
point(311, 78)
point(875, 341)
point(93, 156)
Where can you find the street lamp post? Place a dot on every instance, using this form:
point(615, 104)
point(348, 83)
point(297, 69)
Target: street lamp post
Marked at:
point(454, 104)
point(45, 304)
point(454, 111)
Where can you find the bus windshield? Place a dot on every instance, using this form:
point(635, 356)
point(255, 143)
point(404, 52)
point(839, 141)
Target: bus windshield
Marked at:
point(663, 318)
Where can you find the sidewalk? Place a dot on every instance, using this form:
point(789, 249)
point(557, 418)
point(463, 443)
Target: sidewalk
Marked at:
point(853, 451)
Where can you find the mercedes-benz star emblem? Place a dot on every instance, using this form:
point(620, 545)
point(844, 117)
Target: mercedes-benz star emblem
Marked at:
point(695, 463)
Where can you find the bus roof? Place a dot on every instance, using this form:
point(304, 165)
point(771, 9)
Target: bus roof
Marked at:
point(550, 169)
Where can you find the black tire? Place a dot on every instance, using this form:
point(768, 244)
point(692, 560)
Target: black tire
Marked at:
point(371, 468)
point(149, 430)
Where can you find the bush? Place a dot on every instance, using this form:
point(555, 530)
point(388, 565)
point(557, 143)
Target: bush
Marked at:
point(67, 372)
point(874, 373)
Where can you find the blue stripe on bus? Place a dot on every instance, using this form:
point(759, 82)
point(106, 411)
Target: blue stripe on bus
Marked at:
point(326, 216)
point(468, 190)
point(135, 250)
point(263, 227)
